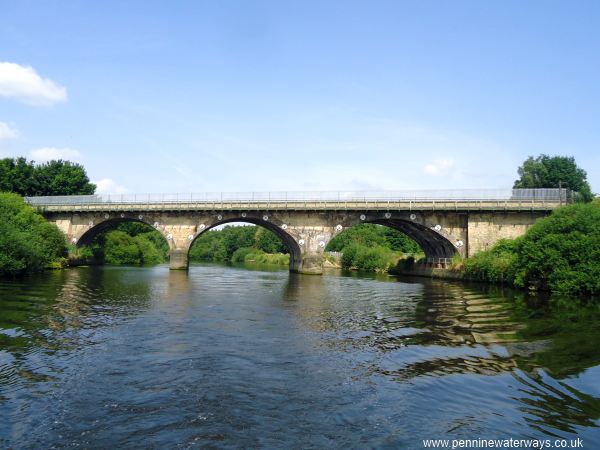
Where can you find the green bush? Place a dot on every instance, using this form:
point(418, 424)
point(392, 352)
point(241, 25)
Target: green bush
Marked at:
point(560, 253)
point(369, 259)
point(240, 254)
point(120, 248)
point(150, 254)
point(279, 259)
point(497, 265)
point(27, 241)
point(349, 255)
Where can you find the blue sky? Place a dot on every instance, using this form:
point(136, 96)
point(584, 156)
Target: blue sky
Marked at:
point(298, 95)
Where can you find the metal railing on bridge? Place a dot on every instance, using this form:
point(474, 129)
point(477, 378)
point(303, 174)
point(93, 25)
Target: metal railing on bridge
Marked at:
point(501, 195)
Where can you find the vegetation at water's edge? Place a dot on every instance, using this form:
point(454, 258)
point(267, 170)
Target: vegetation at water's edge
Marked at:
point(372, 248)
point(254, 255)
point(28, 243)
point(559, 253)
point(365, 247)
point(131, 243)
point(240, 244)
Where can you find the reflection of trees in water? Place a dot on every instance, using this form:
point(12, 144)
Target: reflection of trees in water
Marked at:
point(549, 408)
point(434, 329)
point(58, 311)
point(516, 337)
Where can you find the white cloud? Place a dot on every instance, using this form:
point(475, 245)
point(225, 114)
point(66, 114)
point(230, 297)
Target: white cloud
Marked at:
point(49, 153)
point(7, 132)
point(439, 167)
point(24, 84)
point(109, 186)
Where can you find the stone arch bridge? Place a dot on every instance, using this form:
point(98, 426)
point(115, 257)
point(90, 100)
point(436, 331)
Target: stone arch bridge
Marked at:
point(443, 223)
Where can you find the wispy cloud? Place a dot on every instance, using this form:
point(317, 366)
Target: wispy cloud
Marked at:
point(51, 153)
point(24, 84)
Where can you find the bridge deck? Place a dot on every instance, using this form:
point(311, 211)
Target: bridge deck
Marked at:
point(441, 200)
point(388, 205)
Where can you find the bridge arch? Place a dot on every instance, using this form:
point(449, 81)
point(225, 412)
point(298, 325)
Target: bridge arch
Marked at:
point(112, 223)
point(289, 241)
point(432, 241)
point(439, 238)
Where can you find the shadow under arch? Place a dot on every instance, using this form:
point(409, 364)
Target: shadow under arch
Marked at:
point(434, 244)
point(110, 224)
point(287, 239)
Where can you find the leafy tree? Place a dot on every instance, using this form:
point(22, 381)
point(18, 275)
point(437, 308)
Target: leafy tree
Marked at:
point(398, 241)
point(268, 241)
point(553, 172)
point(52, 178)
point(27, 241)
point(237, 237)
point(17, 175)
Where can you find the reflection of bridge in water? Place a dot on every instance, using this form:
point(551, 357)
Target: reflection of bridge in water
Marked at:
point(443, 223)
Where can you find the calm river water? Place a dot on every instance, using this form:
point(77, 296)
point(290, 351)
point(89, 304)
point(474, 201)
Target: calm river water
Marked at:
point(227, 357)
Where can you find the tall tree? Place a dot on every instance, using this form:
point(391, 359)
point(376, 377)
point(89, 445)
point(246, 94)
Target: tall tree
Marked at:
point(552, 172)
point(52, 178)
point(17, 175)
point(62, 178)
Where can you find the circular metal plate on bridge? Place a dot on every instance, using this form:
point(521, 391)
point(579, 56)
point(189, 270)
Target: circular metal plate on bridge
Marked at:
point(219, 217)
point(122, 215)
point(413, 217)
point(191, 237)
point(322, 244)
point(106, 216)
point(284, 226)
point(90, 223)
point(459, 243)
point(388, 215)
point(244, 214)
point(301, 242)
point(202, 226)
point(169, 236)
point(363, 217)
point(437, 227)
point(74, 241)
point(156, 224)
point(265, 217)
point(338, 227)
point(141, 217)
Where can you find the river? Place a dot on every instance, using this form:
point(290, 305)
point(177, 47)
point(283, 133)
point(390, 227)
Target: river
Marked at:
point(229, 357)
